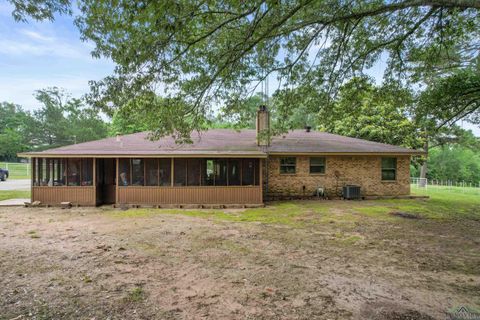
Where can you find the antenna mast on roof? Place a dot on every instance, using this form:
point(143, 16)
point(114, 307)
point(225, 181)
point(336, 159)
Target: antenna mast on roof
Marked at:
point(265, 73)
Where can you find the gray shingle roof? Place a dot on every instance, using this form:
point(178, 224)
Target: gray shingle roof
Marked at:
point(300, 141)
point(224, 142)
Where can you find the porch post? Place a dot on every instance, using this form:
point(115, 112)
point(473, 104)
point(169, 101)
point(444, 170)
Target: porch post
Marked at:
point(260, 177)
point(66, 172)
point(171, 171)
point(32, 170)
point(117, 180)
point(94, 180)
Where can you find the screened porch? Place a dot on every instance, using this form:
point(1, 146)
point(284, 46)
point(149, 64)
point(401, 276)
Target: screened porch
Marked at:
point(147, 181)
point(189, 181)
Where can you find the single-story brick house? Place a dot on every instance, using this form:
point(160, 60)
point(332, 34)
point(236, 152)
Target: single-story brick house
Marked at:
point(220, 167)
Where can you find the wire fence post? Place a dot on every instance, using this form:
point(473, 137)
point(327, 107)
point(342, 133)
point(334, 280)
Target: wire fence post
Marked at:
point(423, 185)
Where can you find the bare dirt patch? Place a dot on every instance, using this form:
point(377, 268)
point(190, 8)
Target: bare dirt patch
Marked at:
point(97, 263)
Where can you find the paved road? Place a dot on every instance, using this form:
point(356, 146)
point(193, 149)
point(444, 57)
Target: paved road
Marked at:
point(10, 184)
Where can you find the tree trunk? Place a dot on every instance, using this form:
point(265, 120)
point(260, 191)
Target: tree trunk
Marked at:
point(423, 168)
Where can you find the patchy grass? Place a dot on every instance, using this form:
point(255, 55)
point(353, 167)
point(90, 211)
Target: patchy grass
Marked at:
point(33, 234)
point(294, 260)
point(87, 279)
point(288, 213)
point(13, 194)
point(441, 205)
point(136, 294)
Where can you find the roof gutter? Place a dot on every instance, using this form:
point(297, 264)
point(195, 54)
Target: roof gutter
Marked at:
point(407, 153)
point(85, 155)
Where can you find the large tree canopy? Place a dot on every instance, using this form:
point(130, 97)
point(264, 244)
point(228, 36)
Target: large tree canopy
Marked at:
point(449, 99)
point(211, 53)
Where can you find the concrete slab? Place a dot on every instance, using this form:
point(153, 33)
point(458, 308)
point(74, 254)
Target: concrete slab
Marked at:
point(13, 202)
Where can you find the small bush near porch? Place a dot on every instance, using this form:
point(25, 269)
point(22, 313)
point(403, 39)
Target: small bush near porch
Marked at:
point(388, 259)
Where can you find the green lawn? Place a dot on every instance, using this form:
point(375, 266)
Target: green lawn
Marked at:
point(442, 204)
point(16, 170)
point(13, 194)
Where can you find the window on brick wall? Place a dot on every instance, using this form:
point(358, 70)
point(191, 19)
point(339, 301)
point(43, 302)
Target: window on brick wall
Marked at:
point(389, 169)
point(317, 165)
point(288, 165)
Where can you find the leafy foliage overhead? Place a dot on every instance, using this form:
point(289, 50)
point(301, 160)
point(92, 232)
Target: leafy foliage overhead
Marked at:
point(211, 52)
point(449, 99)
point(39, 9)
point(156, 115)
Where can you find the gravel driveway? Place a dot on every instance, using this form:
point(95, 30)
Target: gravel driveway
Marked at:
point(10, 184)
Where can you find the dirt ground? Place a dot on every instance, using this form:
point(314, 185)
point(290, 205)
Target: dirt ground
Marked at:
point(98, 263)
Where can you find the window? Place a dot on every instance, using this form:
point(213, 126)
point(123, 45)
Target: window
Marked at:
point(87, 172)
point(124, 172)
point(148, 172)
point(50, 172)
point(287, 165)
point(73, 172)
point(137, 172)
point(60, 174)
point(228, 172)
point(233, 172)
point(193, 172)
point(317, 165)
point(389, 169)
point(208, 168)
point(180, 174)
point(165, 171)
point(221, 172)
point(248, 172)
point(151, 169)
point(37, 172)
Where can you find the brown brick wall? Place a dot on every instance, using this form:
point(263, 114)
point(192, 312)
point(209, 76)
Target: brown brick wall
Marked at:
point(359, 170)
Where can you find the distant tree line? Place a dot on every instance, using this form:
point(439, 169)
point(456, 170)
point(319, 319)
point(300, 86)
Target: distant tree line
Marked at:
point(381, 113)
point(60, 120)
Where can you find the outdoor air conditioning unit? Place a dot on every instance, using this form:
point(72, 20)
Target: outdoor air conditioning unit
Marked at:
point(351, 192)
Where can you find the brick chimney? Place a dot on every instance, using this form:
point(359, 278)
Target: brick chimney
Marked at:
point(263, 126)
